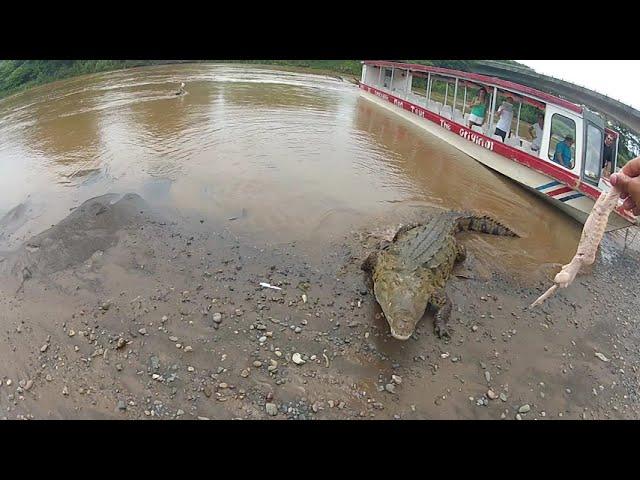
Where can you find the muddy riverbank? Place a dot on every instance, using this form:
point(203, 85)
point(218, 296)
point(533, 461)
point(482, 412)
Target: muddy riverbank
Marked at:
point(164, 318)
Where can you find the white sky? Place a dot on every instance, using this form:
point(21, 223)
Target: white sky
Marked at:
point(618, 79)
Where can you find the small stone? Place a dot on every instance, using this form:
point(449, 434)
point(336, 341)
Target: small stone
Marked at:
point(491, 394)
point(65, 390)
point(9, 382)
point(297, 359)
point(503, 397)
point(142, 331)
point(474, 328)
point(397, 379)
point(188, 348)
point(121, 343)
point(257, 364)
point(122, 405)
point(278, 353)
point(173, 339)
point(119, 367)
point(304, 298)
point(601, 357)
point(164, 318)
point(297, 330)
point(191, 369)
point(524, 408)
point(244, 373)
point(271, 409)
point(262, 339)
point(518, 416)
point(71, 333)
point(487, 375)
point(390, 387)
point(44, 347)
point(223, 385)
point(48, 378)
point(217, 317)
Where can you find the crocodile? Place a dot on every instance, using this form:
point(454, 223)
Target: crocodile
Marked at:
point(410, 273)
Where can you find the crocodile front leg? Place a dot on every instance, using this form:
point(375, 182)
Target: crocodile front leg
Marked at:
point(442, 303)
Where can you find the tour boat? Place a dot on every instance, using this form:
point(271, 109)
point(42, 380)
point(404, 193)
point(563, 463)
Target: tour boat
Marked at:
point(573, 188)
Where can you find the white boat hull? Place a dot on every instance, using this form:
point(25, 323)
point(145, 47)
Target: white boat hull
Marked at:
point(576, 205)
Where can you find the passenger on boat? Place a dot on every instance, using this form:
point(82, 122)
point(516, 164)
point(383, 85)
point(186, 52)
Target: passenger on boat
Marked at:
point(563, 152)
point(607, 157)
point(629, 185)
point(505, 112)
point(535, 131)
point(478, 109)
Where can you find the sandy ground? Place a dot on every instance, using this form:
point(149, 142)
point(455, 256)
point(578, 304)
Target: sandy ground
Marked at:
point(121, 313)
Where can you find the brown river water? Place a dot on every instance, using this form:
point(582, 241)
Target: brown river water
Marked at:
point(277, 156)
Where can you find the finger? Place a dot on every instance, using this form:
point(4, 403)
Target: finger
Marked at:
point(632, 168)
point(620, 181)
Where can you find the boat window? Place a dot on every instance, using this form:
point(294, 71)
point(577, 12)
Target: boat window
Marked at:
point(419, 85)
point(387, 77)
point(593, 154)
point(561, 127)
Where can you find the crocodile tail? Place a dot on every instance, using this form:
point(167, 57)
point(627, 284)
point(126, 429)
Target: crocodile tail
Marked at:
point(483, 224)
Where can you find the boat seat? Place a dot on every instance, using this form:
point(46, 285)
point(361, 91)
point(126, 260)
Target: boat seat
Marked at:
point(496, 137)
point(446, 114)
point(458, 118)
point(434, 107)
point(478, 129)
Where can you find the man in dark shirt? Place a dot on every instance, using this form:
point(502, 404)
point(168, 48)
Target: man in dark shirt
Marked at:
point(607, 157)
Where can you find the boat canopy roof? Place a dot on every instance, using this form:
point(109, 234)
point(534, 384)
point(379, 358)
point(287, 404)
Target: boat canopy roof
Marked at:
point(476, 78)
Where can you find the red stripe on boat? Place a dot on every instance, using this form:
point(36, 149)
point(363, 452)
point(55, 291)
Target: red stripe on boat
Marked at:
point(558, 191)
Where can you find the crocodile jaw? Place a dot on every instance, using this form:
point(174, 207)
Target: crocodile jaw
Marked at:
point(398, 336)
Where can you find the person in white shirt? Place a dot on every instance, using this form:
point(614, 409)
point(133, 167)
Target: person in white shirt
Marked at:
point(505, 112)
point(535, 131)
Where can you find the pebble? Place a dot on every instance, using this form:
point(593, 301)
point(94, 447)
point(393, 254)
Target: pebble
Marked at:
point(487, 375)
point(524, 408)
point(474, 328)
point(71, 333)
point(278, 353)
point(601, 357)
point(271, 409)
point(164, 318)
point(390, 387)
point(518, 416)
point(142, 331)
point(223, 385)
point(65, 390)
point(179, 412)
point(48, 378)
point(503, 397)
point(304, 298)
point(262, 339)
point(121, 343)
point(297, 359)
point(397, 379)
point(244, 373)
point(173, 339)
point(491, 394)
point(122, 405)
point(44, 347)
point(257, 364)
point(188, 348)
point(297, 330)
point(191, 369)
point(217, 317)
point(9, 382)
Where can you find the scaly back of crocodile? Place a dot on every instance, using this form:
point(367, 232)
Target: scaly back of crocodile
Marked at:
point(433, 243)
